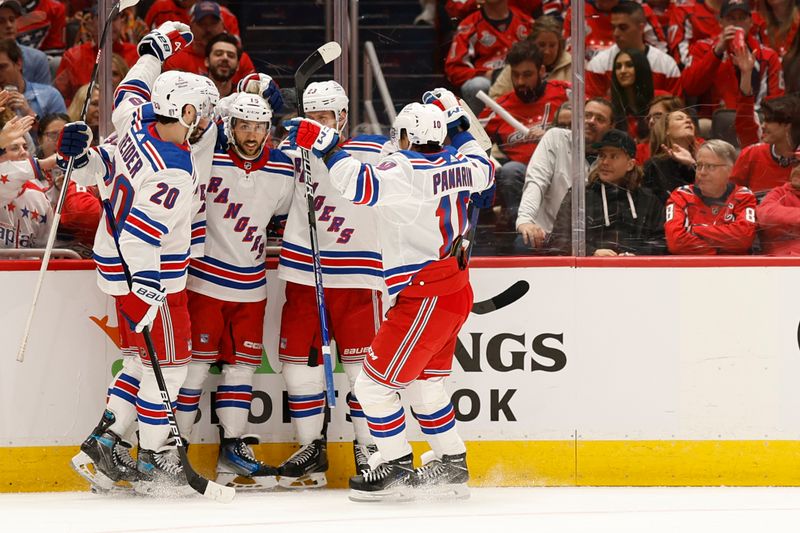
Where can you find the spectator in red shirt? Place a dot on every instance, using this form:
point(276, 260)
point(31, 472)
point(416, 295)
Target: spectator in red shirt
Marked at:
point(178, 10)
point(43, 26)
point(534, 101)
point(768, 164)
point(631, 93)
point(459, 9)
point(779, 217)
point(480, 46)
point(206, 23)
point(222, 61)
point(713, 216)
point(710, 72)
point(782, 22)
point(77, 62)
point(628, 25)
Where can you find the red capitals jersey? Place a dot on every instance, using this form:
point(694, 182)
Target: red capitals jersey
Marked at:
point(541, 112)
point(479, 47)
point(190, 59)
point(598, 29)
point(77, 63)
point(458, 9)
point(44, 27)
point(693, 20)
point(760, 168)
point(783, 43)
point(696, 225)
point(779, 221)
point(714, 80)
point(163, 10)
point(81, 213)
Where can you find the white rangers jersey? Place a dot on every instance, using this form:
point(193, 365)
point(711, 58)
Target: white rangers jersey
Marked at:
point(239, 200)
point(347, 233)
point(25, 220)
point(421, 201)
point(150, 192)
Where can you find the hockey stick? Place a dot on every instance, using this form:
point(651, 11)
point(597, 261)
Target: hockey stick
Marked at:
point(321, 57)
point(206, 487)
point(507, 297)
point(51, 238)
point(485, 142)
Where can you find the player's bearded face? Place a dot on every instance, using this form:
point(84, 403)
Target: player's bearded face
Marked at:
point(526, 80)
point(250, 136)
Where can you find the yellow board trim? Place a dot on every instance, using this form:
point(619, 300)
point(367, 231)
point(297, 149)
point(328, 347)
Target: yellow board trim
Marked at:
point(493, 463)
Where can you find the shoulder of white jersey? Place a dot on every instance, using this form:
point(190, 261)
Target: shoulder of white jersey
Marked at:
point(163, 155)
point(280, 163)
point(426, 161)
point(131, 87)
point(287, 149)
point(144, 114)
point(365, 143)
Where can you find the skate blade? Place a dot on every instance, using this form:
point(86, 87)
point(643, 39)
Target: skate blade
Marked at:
point(447, 491)
point(308, 481)
point(405, 494)
point(85, 467)
point(238, 482)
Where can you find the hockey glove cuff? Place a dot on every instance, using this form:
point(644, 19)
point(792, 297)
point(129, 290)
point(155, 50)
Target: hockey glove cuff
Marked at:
point(484, 199)
point(141, 305)
point(312, 136)
point(166, 40)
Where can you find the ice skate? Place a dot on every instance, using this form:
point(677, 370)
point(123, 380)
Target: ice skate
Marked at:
point(361, 454)
point(161, 474)
point(105, 459)
point(445, 478)
point(237, 466)
point(306, 468)
point(388, 481)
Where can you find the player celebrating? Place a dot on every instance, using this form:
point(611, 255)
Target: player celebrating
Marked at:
point(249, 185)
point(421, 193)
point(151, 197)
point(351, 271)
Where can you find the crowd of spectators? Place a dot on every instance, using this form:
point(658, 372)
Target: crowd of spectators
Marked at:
point(691, 119)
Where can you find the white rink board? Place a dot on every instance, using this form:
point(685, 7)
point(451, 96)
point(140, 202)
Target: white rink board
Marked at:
point(651, 353)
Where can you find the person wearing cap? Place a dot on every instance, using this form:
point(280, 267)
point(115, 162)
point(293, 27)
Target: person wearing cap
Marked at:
point(206, 23)
point(711, 74)
point(44, 25)
point(622, 217)
point(75, 69)
point(35, 66)
point(713, 216)
point(178, 10)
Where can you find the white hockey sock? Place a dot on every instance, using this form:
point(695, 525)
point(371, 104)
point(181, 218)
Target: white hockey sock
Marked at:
point(432, 408)
point(360, 427)
point(385, 417)
point(153, 424)
point(234, 395)
point(122, 395)
point(306, 388)
point(188, 401)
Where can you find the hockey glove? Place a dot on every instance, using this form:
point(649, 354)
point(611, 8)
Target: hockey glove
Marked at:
point(74, 142)
point(141, 305)
point(457, 120)
point(484, 199)
point(264, 86)
point(312, 136)
point(166, 40)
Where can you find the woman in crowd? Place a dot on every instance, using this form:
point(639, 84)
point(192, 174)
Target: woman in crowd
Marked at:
point(714, 216)
point(622, 217)
point(659, 106)
point(631, 92)
point(782, 24)
point(92, 112)
point(779, 217)
point(673, 145)
point(546, 33)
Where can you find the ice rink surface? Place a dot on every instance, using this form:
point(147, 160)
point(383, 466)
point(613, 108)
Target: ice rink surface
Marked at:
point(489, 510)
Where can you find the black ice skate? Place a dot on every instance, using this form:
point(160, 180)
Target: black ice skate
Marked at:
point(161, 474)
point(237, 466)
point(389, 480)
point(105, 459)
point(306, 468)
point(446, 477)
point(361, 454)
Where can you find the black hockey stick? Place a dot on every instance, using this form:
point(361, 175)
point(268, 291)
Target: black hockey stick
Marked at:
point(321, 57)
point(51, 238)
point(507, 297)
point(206, 487)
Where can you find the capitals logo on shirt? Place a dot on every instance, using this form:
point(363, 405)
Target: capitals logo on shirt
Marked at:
point(487, 39)
point(522, 32)
point(204, 338)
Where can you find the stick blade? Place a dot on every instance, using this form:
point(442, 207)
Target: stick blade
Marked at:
point(507, 297)
point(219, 493)
point(329, 51)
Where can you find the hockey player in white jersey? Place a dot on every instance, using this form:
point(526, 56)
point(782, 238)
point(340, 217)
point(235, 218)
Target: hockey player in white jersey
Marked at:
point(421, 195)
point(249, 184)
point(152, 183)
point(351, 276)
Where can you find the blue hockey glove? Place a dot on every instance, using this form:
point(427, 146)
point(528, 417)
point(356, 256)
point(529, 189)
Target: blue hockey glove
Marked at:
point(74, 141)
point(457, 120)
point(312, 136)
point(166, 40)
point(264, 86)
point(484, 199)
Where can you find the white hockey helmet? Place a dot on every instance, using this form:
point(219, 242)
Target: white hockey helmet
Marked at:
point(423, 123)
point(326, 96)
point(250, 107)
point(174, 89)
point(212, 97)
